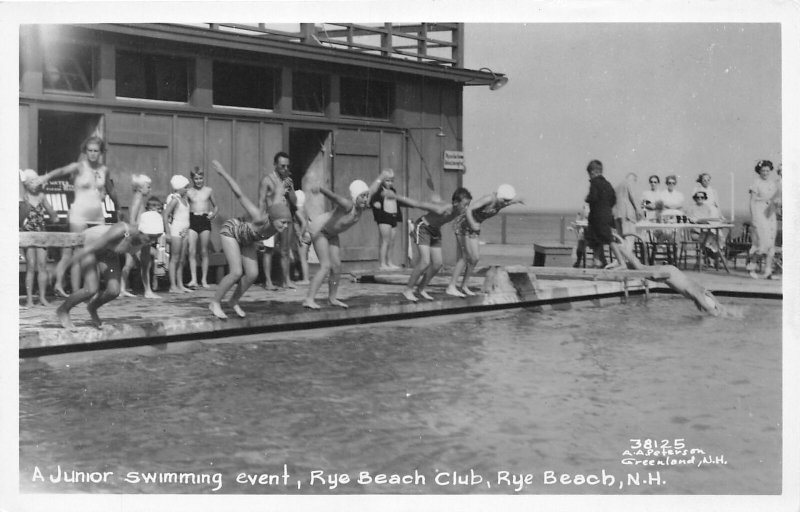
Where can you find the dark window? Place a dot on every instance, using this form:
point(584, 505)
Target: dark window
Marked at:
point(239, 85)
point(310, 91)
point(69, 67)
point(366, 98)
point(152, 77)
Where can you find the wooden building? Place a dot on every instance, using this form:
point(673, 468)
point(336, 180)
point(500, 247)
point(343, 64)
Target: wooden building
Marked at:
point(343, 100)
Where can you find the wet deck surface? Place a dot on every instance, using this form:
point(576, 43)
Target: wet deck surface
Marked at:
point(378, 297)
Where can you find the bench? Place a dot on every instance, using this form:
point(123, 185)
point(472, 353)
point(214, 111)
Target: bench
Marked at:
point(560, 255)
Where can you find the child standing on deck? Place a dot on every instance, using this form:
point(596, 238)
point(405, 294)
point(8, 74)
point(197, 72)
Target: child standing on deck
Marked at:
point(34, 207)
point(239, 237)
point(468, 230)
point(387, 215)
point(427, 236)
point(202, 210)
point(176, 225)
point(325, 230)
point(141, 188)
point(303, 236)
point(99, 260)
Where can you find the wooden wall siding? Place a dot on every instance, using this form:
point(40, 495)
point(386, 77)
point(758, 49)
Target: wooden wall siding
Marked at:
point(360, 242)
point(189, 144)
point(219, 135)
point(27, 137)
point(357, 142)
point(271, 142)
point(246, 157)
point(317, 172)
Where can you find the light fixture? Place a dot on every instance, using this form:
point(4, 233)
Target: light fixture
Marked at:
point(496, 83)
point(440, 133)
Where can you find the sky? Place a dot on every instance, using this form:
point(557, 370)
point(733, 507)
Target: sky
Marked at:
point(649, 98)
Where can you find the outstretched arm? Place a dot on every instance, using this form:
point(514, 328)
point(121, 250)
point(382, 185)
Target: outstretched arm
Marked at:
point(57, 173)
point(115, 233)
point(438, 208)
point(248, 205)
point(342, 201)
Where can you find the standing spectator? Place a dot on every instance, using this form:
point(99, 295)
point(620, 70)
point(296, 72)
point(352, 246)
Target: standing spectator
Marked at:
point(92, 181)
point(202, 210)
point(277, 187)
point(626, 213)
point(33, 208)
point(387, 215)
point(651, 199)
point(763, 195)
point(601, 201)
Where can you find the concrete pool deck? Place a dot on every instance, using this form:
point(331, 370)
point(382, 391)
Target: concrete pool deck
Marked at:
point(376, 297)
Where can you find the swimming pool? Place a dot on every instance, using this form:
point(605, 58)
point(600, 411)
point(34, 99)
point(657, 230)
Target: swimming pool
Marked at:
point(497, 403)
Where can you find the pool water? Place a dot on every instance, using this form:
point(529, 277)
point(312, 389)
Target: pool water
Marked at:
point(445, 405)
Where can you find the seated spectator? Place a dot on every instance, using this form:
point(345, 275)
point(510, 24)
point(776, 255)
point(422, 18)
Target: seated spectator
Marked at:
point(651, 199)
point(712, 198)
point(702, 213)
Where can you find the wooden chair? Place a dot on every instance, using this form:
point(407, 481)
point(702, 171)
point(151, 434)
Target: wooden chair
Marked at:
point(690, 247)
point(662, 247)
point(738, 246)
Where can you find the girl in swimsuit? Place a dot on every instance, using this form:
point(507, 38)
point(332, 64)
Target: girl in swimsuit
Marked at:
point(99, 260)
point(325, 230)
point(91, 184)
point(176, 225)
point(239, 237)
point(37, 206)
point(468, 229)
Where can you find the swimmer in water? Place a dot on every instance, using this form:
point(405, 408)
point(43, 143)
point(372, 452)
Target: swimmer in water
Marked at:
point(100, 261)
point(678, 281)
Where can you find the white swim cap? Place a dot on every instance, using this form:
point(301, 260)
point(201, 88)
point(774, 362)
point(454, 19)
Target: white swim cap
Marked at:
point(506, 192)
point(151, 223)
point(139, 180)
point(357, 187)
point(27, 175)
point(178, 182)
point(301, 198)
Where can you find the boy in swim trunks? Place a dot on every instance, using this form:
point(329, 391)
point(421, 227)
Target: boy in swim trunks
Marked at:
point(427, 236)
point(99, 260)
point(202, 210)
point(325, 230)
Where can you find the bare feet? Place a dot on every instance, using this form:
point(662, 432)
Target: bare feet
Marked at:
point(303, 282)
point(392, 266)
point(151, 295)
point(238, 310)
point(126, 293)
point(425, 295)
point(204, 284)
point(270, 287)
point(59, 288)
point(191, 284)
point(337, 303)
point(216, 310)
point(93, 314)
point(29, 303)
point(409, 295)
point(44, 301)
point(452, 290)
point(186, 290)
point(64, 319)
point(310, 304)
point(289, 285)
point(385, 267)
point(467, 291)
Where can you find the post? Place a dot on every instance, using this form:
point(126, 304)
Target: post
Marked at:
point(733, 180)
point(503, 229)
point(562, 233)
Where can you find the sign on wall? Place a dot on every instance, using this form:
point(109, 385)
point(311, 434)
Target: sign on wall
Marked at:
point(454, 161)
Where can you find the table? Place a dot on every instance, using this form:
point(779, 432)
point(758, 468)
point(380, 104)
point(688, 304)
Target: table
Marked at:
point(706, 231)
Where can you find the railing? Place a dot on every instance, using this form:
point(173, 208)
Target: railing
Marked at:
point(434, 43)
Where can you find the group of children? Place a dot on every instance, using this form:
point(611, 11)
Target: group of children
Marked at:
point(183, 223)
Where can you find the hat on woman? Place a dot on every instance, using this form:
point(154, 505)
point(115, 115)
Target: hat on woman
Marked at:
point(178, 182)
point(151, 223)
point(506, 192)
point(357, 187)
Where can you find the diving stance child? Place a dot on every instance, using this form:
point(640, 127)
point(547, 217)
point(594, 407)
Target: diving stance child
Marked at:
point(238, 237)
point(99, 260)
point(427, 236)
point(325, 230)
point(33, 209)
point(202, 210)
point(387, 215)
point(141, 189)
point(468, 229)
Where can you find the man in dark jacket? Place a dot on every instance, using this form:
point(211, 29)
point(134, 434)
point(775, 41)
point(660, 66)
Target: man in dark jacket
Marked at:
point(601, 200)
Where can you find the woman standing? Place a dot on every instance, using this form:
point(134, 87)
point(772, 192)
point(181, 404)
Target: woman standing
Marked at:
point(91, 184)
point(763, 195)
